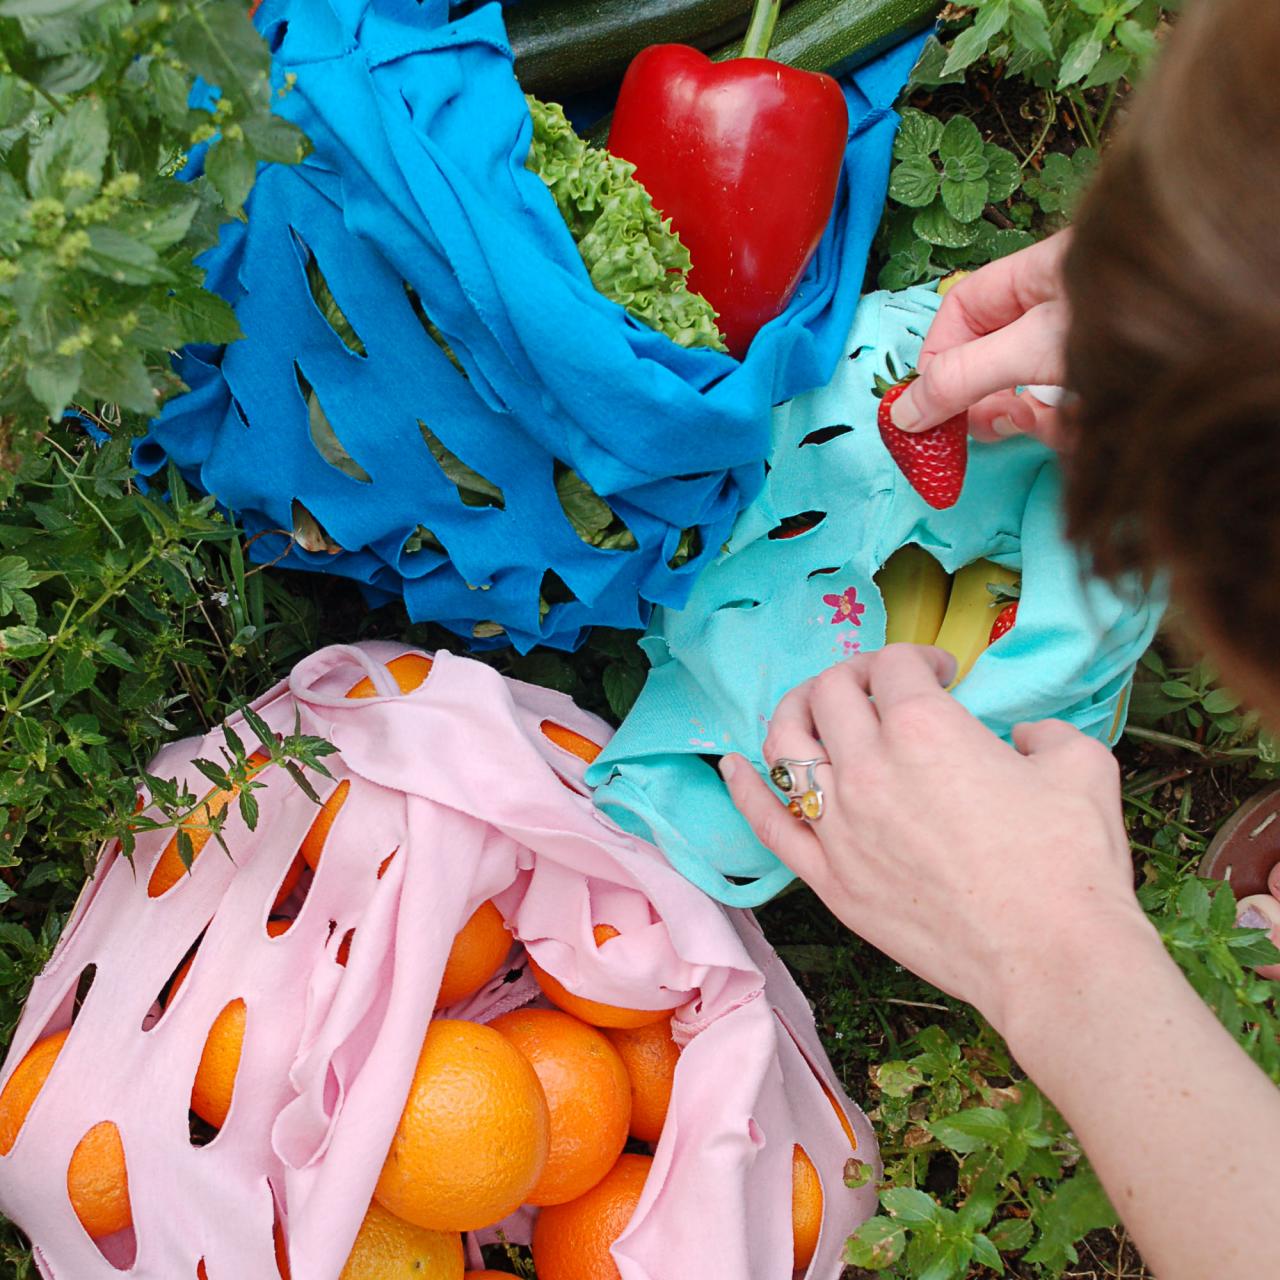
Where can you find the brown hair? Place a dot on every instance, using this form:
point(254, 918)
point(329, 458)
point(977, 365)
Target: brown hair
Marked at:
point(1174, 350)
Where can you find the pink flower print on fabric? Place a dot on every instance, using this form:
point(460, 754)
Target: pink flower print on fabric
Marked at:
point(846, 606)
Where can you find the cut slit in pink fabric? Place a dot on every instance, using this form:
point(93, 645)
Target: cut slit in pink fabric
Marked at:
point(459, 781)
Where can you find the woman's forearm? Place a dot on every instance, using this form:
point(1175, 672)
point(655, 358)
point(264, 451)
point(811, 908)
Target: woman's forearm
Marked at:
point(1182, 1128)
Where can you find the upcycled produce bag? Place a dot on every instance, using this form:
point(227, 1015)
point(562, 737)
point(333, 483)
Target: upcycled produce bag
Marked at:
point(417, 178)
point(460, 782)
point(775, 609)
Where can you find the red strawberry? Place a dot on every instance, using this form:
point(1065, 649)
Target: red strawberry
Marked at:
point(933, 461)
point(1004, 621)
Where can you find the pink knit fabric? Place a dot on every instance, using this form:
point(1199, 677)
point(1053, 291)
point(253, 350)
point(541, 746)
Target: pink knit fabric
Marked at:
point(460, 779)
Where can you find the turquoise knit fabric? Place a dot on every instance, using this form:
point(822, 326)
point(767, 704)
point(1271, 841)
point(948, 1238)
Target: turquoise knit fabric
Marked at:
point(771, 612)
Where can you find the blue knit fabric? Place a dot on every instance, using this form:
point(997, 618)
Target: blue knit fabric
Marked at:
point(417, 176)
point(772, 612)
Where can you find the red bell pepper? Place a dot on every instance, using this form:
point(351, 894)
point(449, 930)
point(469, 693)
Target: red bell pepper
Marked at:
point(744, 157)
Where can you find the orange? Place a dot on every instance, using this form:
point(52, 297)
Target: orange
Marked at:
point(806, 1207)
point(570, 741)
point(313, 842)
point(477, 952)
point(409, 671)
point(97, 1180)
point(840, 1115)
point(592, 1011)
point(169, 868)
point(289, 883)
point(650, 1056)
point(473, 1138)
point(388, 1248)
point(215, 1080)
point(571, 1241)
point(588, 1097)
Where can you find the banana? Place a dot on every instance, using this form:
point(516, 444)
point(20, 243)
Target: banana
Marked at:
point(914, 587)
point(966, 627)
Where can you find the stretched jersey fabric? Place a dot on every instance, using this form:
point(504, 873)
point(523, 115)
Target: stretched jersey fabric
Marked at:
point(455, 792)
point(775, 610)
point(473, 338)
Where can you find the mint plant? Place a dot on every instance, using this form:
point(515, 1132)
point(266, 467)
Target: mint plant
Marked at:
point(944, 177)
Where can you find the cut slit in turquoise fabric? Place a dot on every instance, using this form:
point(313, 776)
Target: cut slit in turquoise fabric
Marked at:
point(772, 612)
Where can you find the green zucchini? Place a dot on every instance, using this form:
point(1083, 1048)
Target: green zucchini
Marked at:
point(562, 46)
point(838, 35)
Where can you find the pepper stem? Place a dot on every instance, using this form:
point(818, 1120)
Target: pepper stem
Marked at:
point(755, 43)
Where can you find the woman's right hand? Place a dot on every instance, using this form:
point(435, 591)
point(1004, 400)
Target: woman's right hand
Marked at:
point(1002, 327)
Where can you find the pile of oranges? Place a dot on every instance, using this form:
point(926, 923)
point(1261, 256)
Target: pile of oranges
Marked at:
point(548, 1107)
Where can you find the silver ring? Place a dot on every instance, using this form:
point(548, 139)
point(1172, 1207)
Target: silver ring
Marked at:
point(806, 800)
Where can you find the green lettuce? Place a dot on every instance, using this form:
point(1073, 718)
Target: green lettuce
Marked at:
point(631, 252)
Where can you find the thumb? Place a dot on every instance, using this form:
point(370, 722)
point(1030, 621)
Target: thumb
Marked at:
point(774, 825)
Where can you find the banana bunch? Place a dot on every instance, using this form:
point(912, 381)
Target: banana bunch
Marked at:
point(963, 615)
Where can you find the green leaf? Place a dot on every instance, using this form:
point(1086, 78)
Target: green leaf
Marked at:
point(1218, 702)
point(1193, 901)
point(918, 135)
point(231, 167)
point(876, 1245)
point(1075, 1208)
point(622, 685)
point(1079, 58)
point(121, 258)
point(965, 201)
point(1139, 40)
point(53, 381)
point(960, 140)
point(914, 181)
point(928, 71)
point(67, 163)
point(1030, 27)
point(971, 1129)
point(937, 226)
point(1010, 1234)
point(985, 1253)
point(1004, 174)
point(473, 489)
point(276, 140)
point(909, 1206)
point(325, 438)
point(21, 642)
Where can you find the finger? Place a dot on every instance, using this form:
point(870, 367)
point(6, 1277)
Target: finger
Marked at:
point(1030, 349)
point(1043, 737)
point(900, 672)
point(845, 725)
point(1006, 408)
point(774, 825)
point(996, 295)
point(1273, 880)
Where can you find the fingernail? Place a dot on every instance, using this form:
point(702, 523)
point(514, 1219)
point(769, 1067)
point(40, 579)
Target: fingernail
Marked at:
point(903, 413)
point(1252, 918)
point(1004, 426)
point(728, 767)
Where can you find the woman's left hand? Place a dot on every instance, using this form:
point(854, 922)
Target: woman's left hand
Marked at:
point(959, 855)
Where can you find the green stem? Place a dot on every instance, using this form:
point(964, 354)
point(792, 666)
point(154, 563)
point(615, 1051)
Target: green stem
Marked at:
point(755, 43)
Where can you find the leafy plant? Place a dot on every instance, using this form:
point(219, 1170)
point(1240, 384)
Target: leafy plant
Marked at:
point(97, 280)
point(944, 177)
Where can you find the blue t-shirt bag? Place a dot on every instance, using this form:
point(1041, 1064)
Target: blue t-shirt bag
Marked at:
point(504, 358)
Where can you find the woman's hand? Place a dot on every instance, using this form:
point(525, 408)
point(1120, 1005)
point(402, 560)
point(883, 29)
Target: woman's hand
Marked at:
point(958, 855)
point(1002, 327)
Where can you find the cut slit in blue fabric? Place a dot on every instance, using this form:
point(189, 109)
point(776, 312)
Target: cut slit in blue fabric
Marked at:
point(417, 179)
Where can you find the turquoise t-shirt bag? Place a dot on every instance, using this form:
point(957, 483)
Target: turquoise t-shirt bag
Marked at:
point(774, 610)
